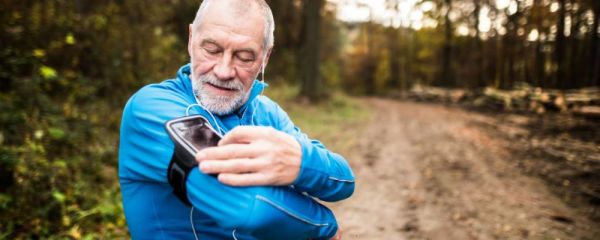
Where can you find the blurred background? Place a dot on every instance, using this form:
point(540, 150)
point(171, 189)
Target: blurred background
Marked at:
point(68, 67)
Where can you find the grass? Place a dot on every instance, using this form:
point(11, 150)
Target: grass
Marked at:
point(331, 121)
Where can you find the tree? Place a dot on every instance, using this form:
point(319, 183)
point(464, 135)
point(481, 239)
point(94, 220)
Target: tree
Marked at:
point(309, 63)
point(479, 58)
point(559, 51)
point(393, 42)
point(594, 58)
point(446, 74)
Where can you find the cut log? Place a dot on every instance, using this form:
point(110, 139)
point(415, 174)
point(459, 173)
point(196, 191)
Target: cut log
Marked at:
point(589, 111)
point(584, 101)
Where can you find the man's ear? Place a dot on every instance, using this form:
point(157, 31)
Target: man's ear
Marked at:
point(190, 31)
point(267, 57)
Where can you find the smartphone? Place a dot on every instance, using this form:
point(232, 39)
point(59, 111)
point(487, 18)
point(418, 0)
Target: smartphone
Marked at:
point(192, 134)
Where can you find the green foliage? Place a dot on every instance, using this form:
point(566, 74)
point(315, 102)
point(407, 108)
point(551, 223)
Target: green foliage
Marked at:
point(66, 71)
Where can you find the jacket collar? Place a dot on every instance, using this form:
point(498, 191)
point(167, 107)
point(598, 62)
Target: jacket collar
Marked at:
point(184, 76)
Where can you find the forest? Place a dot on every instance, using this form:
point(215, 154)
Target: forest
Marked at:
point(68, 67)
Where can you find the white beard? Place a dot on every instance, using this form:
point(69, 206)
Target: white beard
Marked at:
point(220, 105)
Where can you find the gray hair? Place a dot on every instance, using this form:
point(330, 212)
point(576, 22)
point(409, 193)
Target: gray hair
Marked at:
point(269, 36)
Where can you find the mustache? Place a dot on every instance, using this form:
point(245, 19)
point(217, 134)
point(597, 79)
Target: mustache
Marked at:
point(231, 85)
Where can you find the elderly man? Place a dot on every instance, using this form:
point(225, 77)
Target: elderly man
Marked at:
point(260, 181)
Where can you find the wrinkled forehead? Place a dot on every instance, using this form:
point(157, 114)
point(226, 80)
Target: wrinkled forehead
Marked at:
point(238, 17)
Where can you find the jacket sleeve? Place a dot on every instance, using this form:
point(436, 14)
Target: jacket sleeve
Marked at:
point(262, 212)
point(323, 174)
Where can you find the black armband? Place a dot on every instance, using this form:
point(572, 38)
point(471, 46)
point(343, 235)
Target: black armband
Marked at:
point(178, 171)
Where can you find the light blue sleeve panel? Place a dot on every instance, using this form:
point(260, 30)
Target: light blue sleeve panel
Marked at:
point(323, 174)
point(261, 212)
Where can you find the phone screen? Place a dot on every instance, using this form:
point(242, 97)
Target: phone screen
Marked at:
point(190, 134)
point(195, 132)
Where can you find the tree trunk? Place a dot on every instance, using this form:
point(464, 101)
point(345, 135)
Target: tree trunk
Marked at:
point(513, 48)
point(495, 43)
point(394, 81)
point(559, 52)
point(540, 73)
point(309, 72)
point(446, 78)
point(499, 70)
point(370, 64)
point(479, 58)
point(594, 79)
point(286, 37)
point(540, 57)
point(408, 67)
point(576, 76)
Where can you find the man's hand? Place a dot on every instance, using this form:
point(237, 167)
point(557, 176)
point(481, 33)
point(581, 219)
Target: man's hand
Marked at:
point(251, 156)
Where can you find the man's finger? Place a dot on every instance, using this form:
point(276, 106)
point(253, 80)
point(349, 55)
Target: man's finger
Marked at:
point(242, 165)
point(226, 152)
point(244, 179)
point(245, 134)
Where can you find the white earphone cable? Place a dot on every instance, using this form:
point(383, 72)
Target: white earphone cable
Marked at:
point(218, 127)
point(187, 113)
point(192, 222)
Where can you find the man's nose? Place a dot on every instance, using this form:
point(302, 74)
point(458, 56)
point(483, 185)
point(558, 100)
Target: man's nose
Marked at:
point(223, 69)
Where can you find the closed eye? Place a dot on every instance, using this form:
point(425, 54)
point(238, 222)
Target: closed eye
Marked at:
point(211, 47)
point(246, 59)
point(245, 56)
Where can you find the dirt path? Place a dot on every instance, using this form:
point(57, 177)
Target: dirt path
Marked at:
point(428, 172)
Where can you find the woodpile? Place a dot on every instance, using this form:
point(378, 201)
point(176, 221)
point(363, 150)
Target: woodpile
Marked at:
point(585, 101)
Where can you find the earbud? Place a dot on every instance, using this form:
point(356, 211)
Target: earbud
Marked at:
point(262, 72)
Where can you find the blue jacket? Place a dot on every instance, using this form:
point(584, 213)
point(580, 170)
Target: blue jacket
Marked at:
point(220, 211)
